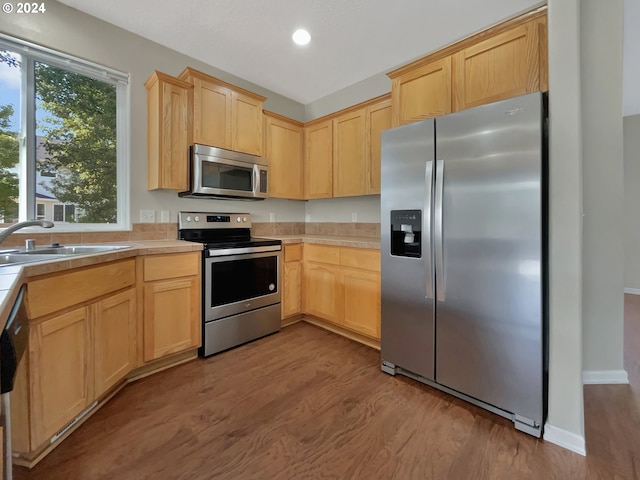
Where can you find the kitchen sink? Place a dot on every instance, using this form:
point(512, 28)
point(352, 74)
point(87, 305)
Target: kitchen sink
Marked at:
point(17, 258)
point(40, 254)
point(72, 250)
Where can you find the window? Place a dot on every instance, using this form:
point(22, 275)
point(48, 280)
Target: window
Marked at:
point(63, 138)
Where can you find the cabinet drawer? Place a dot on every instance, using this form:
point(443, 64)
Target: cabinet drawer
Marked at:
point(360, 258)
point(55, 293)
point(293, 253)
point(322, 254)
point(160, 267)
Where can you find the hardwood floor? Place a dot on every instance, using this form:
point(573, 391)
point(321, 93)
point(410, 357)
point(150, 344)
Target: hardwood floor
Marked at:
point(307, 404)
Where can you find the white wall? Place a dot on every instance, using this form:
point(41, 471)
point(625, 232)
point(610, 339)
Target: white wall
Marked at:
point(565, 421)
point(632, 202)
point(602, 162)
point(65, 29)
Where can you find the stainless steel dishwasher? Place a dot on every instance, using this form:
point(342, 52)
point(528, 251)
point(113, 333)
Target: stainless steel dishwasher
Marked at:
point(13, 343)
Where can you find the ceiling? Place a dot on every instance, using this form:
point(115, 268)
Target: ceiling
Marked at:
point(351, 40)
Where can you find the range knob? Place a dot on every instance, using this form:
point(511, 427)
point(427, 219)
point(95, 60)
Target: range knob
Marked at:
point(244, 219)
point(188, 218)
point(238, 219)
point(197, 219)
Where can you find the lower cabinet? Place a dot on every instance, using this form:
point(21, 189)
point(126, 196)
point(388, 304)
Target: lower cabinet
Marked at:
point(292, 281)
point(342, 286)
point(74, 358)
point(172, 320)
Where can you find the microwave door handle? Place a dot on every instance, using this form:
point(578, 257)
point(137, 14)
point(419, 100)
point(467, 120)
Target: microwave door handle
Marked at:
point(256, 180)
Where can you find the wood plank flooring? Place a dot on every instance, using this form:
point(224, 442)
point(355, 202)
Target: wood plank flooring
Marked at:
point(308, 404)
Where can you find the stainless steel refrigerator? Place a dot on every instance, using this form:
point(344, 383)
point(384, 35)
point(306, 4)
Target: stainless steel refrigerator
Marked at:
point(463, 243)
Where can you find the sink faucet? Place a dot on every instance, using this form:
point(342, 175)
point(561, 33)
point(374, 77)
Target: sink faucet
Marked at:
point(17, 226)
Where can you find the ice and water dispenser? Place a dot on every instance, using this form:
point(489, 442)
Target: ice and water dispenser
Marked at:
point(406, 233)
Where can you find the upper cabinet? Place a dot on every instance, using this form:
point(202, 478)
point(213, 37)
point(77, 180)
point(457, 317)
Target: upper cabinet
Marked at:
point(503, 66)
point(318, 159)
point(284, 150)
point(349, 153)
point(503, 61)
point(168, 124)
point(422, 92)
point(224, 115)
point(378, 119)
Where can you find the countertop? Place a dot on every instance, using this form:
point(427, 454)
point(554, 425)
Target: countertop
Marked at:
point(13, 276)
point(340, 241)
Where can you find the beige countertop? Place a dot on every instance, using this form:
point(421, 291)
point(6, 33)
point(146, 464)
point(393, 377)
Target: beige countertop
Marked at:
point(340, 241)
point(13, 276)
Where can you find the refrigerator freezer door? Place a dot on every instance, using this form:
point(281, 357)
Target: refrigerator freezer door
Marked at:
point(407, 338)
point(489, 325)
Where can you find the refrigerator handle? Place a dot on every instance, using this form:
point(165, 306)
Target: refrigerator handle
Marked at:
point(437, 230)
point(427, 230)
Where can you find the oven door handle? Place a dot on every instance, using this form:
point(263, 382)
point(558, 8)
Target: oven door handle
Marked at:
point(220, 252)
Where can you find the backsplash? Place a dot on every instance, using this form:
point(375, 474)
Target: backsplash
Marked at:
point(169, 231)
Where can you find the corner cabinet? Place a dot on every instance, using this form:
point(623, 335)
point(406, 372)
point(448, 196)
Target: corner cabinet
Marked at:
point(168, 124)
point(224, 115)
point(342, 286)
point(81, 346)
point(378, 120)
point(284, 141)
point(172, 321)
point(349, 153)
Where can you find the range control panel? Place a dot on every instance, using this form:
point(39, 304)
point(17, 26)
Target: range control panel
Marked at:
point(200, 220)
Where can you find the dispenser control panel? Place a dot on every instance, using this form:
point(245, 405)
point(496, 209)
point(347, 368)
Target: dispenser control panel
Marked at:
point(406, 233)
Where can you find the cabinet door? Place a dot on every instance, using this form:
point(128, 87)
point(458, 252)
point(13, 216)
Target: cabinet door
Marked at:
point(424, 92)
point(246, 124)
point(284, 151)
point(318, 168)
point(362, 302)
point(60, 371)
point(322, 291)
point(292, 291)
point(349, 150)
point(379, 119)
point(168, 102)
point(114, 339)
point(172, 321)
point(503, 66)
point(211, 113)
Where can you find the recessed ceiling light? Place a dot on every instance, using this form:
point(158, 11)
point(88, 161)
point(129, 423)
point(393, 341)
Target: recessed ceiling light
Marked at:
point(301, 36)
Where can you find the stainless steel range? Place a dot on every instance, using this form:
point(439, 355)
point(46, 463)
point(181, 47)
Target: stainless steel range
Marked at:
point(241, 279)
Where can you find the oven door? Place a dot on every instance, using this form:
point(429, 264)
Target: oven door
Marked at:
point(240, 283)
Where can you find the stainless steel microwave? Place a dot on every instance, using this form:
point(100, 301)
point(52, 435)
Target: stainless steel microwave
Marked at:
point(219, 173)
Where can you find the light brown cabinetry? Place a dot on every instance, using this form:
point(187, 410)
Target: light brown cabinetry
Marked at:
point(171, 304)
point(61, 372)
point(349, 153)
point(224, 115)
point(504, 61)
point(379, 119)
point(292, 281)
point(422, 92)
point(284, 150)
point(168, 124)
point(318, 166)
point(114, 327)
point(503, 66)
point(342, 286)
point(81, 345)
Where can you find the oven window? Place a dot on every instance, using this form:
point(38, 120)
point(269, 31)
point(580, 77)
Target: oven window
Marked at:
point(238, 280)
point(217, 175)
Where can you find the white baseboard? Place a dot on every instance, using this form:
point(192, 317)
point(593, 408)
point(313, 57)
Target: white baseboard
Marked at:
point(564, 439)
point(632, 291)
point(605, 377)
